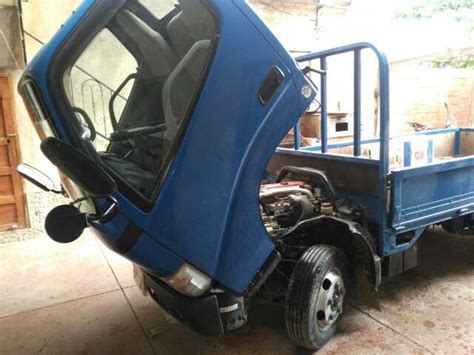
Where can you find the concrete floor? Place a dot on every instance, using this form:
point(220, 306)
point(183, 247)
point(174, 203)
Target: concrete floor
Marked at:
point(81, 299)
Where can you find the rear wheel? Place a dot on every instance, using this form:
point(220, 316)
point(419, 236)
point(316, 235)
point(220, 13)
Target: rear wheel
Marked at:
point(315, 298)
point(456, 225)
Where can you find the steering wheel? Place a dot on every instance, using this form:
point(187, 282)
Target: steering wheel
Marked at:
point(88, 120)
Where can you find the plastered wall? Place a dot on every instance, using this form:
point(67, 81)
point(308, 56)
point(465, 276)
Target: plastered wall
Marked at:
point(41, 18)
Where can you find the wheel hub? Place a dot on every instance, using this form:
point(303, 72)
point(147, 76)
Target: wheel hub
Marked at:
point(330, 299)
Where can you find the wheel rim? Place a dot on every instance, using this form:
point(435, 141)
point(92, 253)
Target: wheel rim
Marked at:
point(330, 299)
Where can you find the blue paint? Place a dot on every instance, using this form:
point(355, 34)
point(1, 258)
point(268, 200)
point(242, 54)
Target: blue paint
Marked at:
point(457, 143)
point(207, 212)
point(297, 132)
point(430, 150)
point(317, 147)
point(324, 111)
point(144, 252)
point(407, 153)
point(406, 211)
point(329, 156)
point(213, 220)
point(357, 103)
point(431, 194)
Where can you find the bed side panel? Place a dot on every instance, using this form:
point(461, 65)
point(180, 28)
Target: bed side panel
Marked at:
point(433, 193)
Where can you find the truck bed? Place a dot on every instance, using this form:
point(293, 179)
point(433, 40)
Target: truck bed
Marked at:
point(414, 196)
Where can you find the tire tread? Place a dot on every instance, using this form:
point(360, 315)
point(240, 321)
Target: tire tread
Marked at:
point(305, 276)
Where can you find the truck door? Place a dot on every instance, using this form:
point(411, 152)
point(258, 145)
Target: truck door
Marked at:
point(184, 103)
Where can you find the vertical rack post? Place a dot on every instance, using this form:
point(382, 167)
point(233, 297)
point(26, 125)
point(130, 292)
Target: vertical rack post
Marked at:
point(324, 112)
point(357, 103)
point(457, 143)
point(297, 130)
point(384, 116)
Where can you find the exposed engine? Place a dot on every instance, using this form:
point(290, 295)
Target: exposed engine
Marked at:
point(284, 204)
point(293, 198)
point(287, 202)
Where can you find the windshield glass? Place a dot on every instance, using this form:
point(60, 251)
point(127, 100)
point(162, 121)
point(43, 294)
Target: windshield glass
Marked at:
point(133, 86)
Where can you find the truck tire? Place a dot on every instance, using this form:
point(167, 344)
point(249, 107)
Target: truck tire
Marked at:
point(455, 225)
point(315, 297)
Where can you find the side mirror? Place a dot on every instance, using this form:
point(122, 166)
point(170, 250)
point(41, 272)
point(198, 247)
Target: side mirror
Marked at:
point(65, 223)
point(38, 178)
point(85, 172)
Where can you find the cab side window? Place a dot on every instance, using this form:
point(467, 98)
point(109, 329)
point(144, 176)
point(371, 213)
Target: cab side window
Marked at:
point(134, 85)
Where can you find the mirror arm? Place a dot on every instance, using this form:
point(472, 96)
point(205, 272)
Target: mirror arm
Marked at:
point(59, 192)
point(108, 215)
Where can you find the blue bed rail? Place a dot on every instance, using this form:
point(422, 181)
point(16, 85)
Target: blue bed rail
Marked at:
point(408, 199)
point(384, 113)
point(457, 139)
point(356, 49)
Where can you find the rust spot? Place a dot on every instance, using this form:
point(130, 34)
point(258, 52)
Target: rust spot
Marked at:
point(429, 324)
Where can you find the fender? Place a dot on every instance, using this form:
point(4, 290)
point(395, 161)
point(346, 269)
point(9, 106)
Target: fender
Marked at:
point(349, 236)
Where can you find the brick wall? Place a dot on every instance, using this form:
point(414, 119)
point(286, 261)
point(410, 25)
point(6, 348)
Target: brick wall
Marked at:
point(425, 95)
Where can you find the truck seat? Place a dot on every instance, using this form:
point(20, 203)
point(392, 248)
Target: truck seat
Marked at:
point(159, 54)
point(193, 24)
point(179, 88)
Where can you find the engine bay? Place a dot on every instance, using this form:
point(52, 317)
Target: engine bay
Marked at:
point(299, 194)
point(285, 204)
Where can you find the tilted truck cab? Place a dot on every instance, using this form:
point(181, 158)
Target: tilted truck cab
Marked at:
point(162, 118)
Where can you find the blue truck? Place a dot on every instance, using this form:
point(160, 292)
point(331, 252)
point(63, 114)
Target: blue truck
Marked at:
point(179, 170)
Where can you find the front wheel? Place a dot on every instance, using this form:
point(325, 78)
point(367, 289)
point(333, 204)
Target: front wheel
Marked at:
point(315, 297)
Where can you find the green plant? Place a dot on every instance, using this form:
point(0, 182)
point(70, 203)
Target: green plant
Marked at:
point(429, 8)
point(462, 62)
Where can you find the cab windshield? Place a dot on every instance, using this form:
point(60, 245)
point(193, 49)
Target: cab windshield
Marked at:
point(133, 87)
